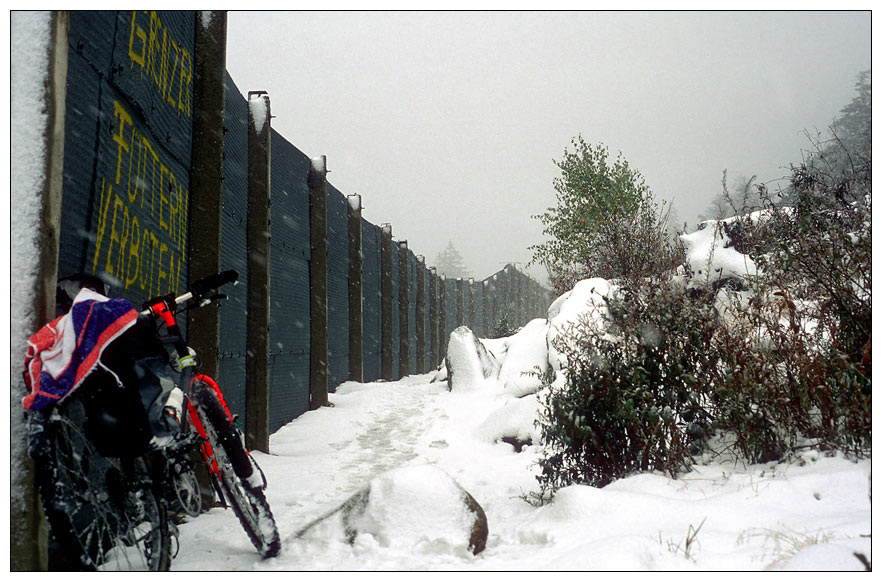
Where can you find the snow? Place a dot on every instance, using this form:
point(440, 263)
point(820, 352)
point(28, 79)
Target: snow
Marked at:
point(584, 301)
point(257, 105)
point(811, 513)
point(406, 508)
point(710, 256)
point(29, 66)
point(319, 165)
point(470, 366)
point(205, 18)
point(526, 359)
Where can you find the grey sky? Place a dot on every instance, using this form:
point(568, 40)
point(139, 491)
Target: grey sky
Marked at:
point(447, 122)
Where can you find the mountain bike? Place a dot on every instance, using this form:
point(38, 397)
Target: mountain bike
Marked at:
point(110, 487)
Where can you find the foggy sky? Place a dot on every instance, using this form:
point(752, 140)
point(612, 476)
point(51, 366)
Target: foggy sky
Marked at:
point(447, 123)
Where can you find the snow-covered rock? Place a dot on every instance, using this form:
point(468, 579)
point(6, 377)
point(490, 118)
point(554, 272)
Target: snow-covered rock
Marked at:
point(711, 254)
point(405, 508)
point(469, 364)
point(585, 301)
point(514, 422)
point(526, 359)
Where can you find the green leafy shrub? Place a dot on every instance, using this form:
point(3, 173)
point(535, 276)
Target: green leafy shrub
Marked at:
point(607, 222)
point(638, 402)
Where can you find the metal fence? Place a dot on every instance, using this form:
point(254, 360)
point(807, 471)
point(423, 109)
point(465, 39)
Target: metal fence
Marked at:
point(127, 215)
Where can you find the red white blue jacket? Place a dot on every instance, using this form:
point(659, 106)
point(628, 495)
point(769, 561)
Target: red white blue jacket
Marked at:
point(64, 352)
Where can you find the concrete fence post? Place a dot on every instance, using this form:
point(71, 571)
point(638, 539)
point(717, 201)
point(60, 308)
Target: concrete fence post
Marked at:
point(519, 295)
point(318, 282)
point(356, 319)
point(433, 318)
point(420, 367)
point(403, 311)
point(460, 302)
point(470, 301)
point(485, 301)
point(258, 260)
point(517, 290)
point(505, 294)
point(387, 304)
point(206, 178)
point(442, 317)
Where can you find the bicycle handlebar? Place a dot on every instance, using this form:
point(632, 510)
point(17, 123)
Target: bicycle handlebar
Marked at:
point(199, 288)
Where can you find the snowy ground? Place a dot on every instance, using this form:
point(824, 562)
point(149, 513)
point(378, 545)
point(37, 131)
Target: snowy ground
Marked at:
point(811, 515)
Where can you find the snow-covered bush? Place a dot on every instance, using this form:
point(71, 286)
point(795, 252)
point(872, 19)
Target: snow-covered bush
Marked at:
point(807, 370)
point(637, 393)
point(765, 340)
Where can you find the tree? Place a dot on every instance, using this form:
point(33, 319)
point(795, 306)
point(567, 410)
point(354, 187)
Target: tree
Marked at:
point(745, 199)
point(606, 223)
point(450, 264)
point(853, 126)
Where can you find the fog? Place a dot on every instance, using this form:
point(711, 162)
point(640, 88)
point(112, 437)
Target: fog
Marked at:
point(447, 123)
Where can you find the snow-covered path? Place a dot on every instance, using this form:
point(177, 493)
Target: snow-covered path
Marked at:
point(813, 514)
point(325, 456)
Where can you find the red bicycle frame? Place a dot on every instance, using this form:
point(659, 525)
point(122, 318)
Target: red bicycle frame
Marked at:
point(205, 447)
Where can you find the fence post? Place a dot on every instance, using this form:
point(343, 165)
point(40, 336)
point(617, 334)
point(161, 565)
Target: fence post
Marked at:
point(318, 283)
point(513, 297)
point(494, 302)
point(433, 318)
point(258, 249)
point(403, 311)
point(522, 304)
point(460, 307)
point(442, 317)
point(420, 367)
point(28, 544)
point(206, 178)
point(356, 321)
point(485, 300)
point(387, 304)
point(473, 315)
point(505, 295)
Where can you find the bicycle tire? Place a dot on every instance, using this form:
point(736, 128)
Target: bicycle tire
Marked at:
point(96, 519)
point(236, 467)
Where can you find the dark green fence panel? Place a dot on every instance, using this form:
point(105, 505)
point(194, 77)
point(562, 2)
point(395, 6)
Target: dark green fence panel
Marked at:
point(338, 288)
point(411, 309)
point(127, 150)
point(81, 127)
point(233, 312)
point(478, 293)
point(396, 318)
point(452, 297)
point(289, 282)
point(371, 301)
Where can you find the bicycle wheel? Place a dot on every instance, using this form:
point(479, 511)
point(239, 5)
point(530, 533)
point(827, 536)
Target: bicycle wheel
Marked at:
point(101, 514)
point(236, 468)
point(145, 541)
